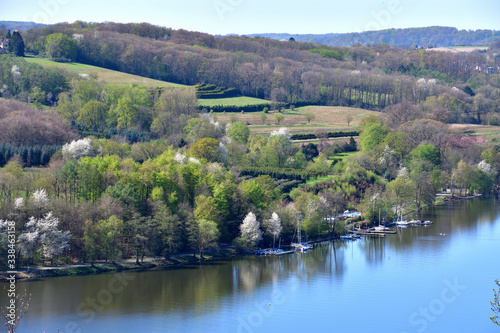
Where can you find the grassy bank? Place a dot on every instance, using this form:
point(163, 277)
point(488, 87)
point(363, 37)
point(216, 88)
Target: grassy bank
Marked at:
point(102, 74)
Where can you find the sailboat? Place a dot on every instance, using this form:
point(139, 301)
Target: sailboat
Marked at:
point(400, 222)
point(301, 247)
point(381, 227)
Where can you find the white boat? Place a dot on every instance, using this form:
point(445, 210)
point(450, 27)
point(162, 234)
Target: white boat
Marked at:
point(400, 221)
point(302, 247)
point(346, 237)
point(381, 228)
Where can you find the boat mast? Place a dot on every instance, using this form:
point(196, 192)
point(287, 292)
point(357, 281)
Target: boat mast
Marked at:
point(298, 231)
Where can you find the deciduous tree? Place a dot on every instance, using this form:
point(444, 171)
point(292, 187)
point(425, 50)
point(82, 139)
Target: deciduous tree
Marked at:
point(273, 226)
point(61, 47)
point(250, 230)
point(309, 117)
point(239, 132)
point(278, 117)
point(207, 236)
point(206, 148)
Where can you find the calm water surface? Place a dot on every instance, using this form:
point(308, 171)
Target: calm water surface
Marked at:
point(423, 279)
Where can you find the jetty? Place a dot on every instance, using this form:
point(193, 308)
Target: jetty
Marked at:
point(371, 232)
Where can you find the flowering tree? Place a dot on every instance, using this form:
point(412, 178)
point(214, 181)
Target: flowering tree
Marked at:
point(43, 235)
point(76, 149)
point(40, 198)
point(19, 203)
point(273, 226)
point(485, 167)
point(281, 131)
point(250, 229)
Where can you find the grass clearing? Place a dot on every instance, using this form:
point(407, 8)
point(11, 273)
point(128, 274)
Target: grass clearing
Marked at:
point(327, 118)
point(320, 179)
point(489, 132)
point(343, 156)
point(460, 48)
point(231, 101)
point(102, 74)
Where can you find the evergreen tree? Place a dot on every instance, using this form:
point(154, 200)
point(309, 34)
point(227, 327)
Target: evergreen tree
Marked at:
point(17, 44)
point(9, 35)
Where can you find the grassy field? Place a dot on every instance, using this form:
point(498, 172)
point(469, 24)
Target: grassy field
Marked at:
point(460, 48)
point(491, 133)
point(327, 118)
point(102, 74)
point(237, 101)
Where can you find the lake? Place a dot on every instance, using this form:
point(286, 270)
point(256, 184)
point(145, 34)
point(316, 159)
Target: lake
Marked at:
point(423, 279)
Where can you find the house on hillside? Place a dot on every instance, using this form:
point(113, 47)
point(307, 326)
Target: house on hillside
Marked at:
point(4, 45)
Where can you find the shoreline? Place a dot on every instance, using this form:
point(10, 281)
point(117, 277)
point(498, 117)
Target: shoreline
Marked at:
point(149, 264)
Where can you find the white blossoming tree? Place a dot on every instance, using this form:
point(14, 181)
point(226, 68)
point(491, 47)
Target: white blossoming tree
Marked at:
point(273, 226)
point(250, 230)
point(43, 235)
point(485, 167)
point(180, 158)
point(76, 149)
point(282, 131)
point(19, 203)
point(16, 74)
point(40, 198)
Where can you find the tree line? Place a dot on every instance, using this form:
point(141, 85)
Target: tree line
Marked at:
point(406, 38)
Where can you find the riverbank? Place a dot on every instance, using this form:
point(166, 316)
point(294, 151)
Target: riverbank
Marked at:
point(118, 266)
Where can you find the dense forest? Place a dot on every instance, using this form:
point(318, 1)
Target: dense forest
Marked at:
point(97, 171)
point(404, 38)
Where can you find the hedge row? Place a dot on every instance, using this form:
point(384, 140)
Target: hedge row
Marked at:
point(31, 156)
point(310, 136)
point(253, 107)
point(287, 186)
point(281, 173)
point(208, 91)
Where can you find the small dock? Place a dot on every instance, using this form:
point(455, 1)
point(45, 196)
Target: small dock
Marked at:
point(368, 232)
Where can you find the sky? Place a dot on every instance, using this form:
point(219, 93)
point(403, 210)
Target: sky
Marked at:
point(264, 16)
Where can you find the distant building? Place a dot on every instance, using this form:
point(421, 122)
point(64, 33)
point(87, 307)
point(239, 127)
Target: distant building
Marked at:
point(4, 45)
